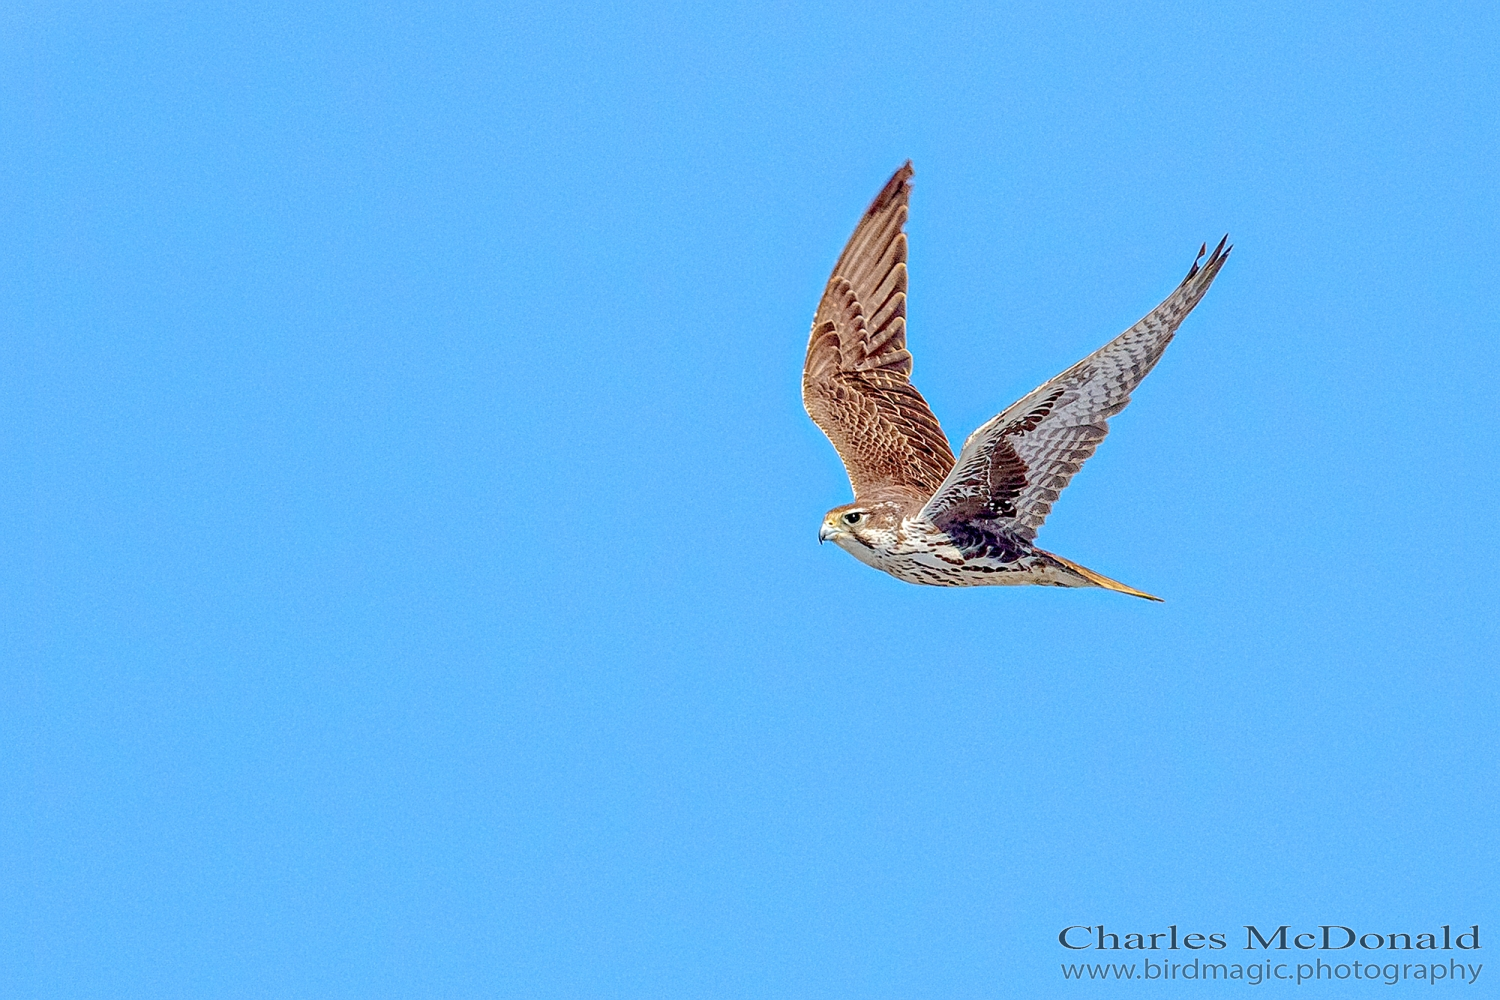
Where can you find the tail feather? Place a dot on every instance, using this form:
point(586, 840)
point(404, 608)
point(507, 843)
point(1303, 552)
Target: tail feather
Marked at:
point(1100, 580)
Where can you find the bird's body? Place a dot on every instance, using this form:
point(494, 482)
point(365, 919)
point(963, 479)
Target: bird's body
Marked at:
point(912, 548)
point(920, 514)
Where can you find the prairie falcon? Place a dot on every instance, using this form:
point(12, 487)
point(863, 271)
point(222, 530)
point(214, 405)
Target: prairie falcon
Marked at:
point(918, 514)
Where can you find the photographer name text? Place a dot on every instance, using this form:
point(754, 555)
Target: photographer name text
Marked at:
point(1285, 937)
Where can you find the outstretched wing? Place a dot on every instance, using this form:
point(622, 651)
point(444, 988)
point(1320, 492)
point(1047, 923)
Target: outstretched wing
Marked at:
point(856, 382)
point(1013, 467)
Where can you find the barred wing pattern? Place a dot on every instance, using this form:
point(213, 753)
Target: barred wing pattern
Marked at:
point(1014, 466)
point(856, 382)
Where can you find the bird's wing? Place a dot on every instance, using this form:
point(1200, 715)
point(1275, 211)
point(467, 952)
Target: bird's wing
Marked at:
point(1013, 467)
point(856, 382)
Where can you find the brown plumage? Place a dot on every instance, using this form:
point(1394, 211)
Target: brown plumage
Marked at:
point(919, 514)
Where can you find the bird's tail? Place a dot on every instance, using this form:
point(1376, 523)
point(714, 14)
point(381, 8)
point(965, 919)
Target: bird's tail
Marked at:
point(1100, 580)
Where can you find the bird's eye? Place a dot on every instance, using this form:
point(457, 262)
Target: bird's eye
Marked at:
point(852, 517)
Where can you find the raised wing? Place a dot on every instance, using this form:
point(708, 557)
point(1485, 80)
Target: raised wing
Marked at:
point(1013, 467)
point(856, 382)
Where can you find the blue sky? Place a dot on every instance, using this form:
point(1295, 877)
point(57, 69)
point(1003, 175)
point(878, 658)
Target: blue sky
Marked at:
point(412, 582)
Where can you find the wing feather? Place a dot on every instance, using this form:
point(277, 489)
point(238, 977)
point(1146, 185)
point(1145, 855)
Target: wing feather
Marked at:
point(856, 382)
point(1012, 468)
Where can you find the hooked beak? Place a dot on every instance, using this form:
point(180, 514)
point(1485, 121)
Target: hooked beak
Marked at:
point(826, 532)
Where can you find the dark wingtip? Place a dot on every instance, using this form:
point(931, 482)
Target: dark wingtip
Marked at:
point(899, 184)
point(1215, 259)
point(1196, 261)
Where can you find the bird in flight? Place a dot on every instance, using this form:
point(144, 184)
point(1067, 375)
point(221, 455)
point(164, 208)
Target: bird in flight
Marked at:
point(918, 514)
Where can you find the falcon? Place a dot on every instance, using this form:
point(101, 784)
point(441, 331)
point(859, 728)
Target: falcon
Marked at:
point(919, 514)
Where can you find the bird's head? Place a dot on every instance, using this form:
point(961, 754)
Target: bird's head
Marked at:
point(856, 524)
